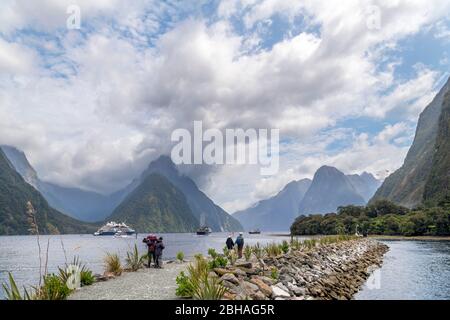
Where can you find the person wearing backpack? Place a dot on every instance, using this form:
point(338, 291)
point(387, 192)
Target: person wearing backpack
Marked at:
point(240, 244)
point(151, 246)
point(159, 247)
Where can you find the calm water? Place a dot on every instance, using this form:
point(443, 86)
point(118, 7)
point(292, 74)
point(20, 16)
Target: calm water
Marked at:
point(411, 270)
point(19, 254)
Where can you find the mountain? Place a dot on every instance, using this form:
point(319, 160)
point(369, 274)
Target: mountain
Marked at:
point(77, 203)
point(156, 205)
point(406, 186)
point(437, 187)
point(276, 213)
point(15, 193)
point(203, 208)
point(365, 184)
point(329, 190)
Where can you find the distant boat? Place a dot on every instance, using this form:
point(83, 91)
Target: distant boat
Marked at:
point(256, 231)
point(114, 229)
point(204, 231)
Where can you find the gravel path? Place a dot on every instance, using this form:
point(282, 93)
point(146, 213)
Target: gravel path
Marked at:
point(145, 284)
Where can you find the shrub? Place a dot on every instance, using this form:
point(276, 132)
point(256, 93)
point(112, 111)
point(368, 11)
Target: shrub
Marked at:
point(309, 243)
point(198, 284)
point(274, 273)
point(295, 244)
point(87, 278)
point(217, 261)
point(75, 273)
point(184, 288)
point(113, 264)
point(133, 260)
point(284, 246)
point(53, 288)
point(180, 256)
point(257, 251)
point(208, 288)
point(232, 257)
point(247, 253)
point(272, 250)
point(12, 292)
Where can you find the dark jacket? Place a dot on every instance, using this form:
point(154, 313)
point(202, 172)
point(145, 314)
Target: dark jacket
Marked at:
point(159, 247)
point(240, 241)
point(230, 243)
point(151, 243)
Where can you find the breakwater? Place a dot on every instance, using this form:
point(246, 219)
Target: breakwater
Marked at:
point(330, 271)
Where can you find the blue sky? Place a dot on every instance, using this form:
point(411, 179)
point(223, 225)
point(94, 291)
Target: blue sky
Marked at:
point(91, 107)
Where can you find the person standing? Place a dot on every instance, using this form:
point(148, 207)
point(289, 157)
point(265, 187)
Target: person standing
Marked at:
point(151, 246)
point(229, 243)
point(240, 244)
point(159, 247)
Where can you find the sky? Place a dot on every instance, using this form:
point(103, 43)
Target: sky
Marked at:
point(344, 81)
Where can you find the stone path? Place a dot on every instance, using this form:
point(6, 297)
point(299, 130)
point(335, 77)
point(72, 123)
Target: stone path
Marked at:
point(145, 284)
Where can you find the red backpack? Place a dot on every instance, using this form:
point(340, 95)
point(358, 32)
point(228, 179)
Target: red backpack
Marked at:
point(151, 242)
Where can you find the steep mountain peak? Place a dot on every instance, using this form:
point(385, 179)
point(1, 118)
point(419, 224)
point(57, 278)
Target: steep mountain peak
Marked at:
point(164, 165)
point(21, 164)
point(329, 189)
point(406, 186)
point(276, 213)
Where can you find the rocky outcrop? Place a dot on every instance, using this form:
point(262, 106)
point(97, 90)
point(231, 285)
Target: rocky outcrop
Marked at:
point(332, 271)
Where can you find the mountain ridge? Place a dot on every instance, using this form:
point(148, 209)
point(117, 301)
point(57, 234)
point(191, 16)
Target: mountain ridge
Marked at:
point(15, 193)
point(406, 186)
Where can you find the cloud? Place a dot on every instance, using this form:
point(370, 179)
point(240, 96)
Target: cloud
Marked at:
point(92, 107)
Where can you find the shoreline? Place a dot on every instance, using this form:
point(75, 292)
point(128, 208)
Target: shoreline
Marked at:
point(333, 271)
point(375, 236)
point(411, 238)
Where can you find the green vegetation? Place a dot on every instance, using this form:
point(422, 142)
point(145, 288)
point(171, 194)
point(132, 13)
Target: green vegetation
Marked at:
point(113, 264)
point(184, 289)
point(272, 250)
point(274, 274)
point(437, 187)
point(156, 205)
point(134, 261)
point(284, 246)
point(380, 218)
point(180, 256)
point(216, 261)
point(87, 278)
point(12, 292)
point(198, 284)
point(15, 194)
point(247, 253)
point(53, 288)
point(257, 251)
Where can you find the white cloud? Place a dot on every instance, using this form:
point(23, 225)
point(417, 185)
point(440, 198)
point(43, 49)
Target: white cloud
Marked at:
point(91, 108)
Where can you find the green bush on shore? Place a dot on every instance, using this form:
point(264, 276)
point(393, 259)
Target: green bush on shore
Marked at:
point(379, 218)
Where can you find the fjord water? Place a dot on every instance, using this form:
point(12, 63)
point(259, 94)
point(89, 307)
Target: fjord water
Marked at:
point(19, 254)
point(411, 270)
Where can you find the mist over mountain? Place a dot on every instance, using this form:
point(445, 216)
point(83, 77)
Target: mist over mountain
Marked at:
point(15, 193)
point(156, 205)
point(365, 184)
point(406, 186)
point(329, 189)
point(276, 213)
point(77, 203)
point(203, 208)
